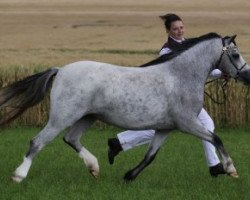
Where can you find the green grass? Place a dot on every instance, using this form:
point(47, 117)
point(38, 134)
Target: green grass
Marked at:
point(178, 172)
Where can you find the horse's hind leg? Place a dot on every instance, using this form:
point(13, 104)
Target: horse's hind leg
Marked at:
point(48, 133)
point(195, 128)
point(72, 138)
point(154, 146)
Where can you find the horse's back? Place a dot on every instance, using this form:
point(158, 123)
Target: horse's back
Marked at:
point(90, 67)
point(110, 92)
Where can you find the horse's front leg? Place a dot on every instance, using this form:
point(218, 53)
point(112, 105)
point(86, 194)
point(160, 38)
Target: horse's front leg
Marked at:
point(195, 128)
point(154, 146)
point(226, 159)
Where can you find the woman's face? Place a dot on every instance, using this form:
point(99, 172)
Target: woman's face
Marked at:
point(176, 30)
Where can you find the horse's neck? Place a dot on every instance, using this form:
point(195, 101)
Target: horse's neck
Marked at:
point(199, 61)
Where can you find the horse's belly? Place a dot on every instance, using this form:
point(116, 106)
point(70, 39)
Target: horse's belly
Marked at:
point(131, 122)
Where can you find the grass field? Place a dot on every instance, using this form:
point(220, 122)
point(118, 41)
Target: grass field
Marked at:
point(178, 172)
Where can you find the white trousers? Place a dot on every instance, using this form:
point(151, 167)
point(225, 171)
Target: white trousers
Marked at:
point(130, 139)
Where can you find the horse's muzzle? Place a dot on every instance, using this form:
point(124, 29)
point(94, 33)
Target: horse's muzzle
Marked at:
point(244, 75)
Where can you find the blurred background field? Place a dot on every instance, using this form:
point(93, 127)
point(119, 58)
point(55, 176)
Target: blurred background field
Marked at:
point(35, 35)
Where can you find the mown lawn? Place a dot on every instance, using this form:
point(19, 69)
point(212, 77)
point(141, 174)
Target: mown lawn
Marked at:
point(178, 172)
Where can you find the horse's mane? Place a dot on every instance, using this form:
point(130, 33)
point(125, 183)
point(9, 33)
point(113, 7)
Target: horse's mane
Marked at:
point(185, 46)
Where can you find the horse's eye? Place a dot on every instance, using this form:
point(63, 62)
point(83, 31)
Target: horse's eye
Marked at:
point(235, 55)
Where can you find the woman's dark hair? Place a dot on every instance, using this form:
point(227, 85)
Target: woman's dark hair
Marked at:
point(169, 18)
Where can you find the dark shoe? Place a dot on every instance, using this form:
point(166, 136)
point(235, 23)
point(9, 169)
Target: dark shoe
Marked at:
point(216, 170)
point(114, 149)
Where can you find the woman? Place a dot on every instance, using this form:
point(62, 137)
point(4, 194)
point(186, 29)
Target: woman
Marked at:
point(129, 139)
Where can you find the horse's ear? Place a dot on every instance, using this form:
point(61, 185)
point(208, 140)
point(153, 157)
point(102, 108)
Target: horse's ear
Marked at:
point(228, 39)
point(232, 39)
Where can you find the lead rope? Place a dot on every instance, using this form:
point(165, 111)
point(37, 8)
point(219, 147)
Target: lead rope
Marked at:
point(223, 85)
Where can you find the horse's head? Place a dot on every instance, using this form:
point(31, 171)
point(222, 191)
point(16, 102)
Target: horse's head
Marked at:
point(231, 62)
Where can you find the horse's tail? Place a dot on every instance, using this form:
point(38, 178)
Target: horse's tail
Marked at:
point(21, 95)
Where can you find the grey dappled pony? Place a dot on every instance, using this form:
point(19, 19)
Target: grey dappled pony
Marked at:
point(164, 94)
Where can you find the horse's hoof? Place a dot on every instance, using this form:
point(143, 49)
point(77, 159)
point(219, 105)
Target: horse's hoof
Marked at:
point(234, 174)
point(95, 174)
point(17, 178)
point(128, 177)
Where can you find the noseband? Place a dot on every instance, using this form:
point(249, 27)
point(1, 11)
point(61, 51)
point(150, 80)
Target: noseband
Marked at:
point(226, 51)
